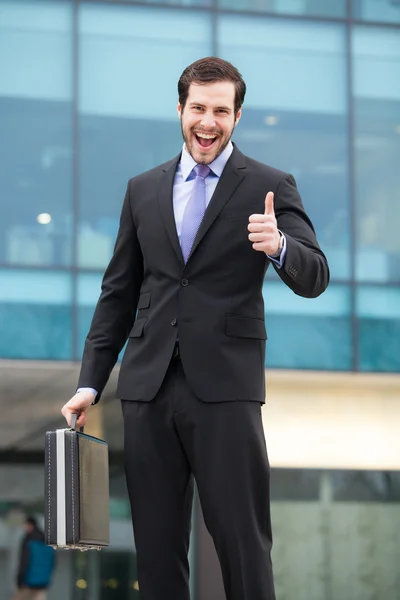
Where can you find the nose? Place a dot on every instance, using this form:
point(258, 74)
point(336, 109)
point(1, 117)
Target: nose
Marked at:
point(208, 121)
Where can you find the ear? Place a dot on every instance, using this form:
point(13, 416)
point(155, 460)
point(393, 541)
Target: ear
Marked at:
point(179, 109)
point(238, 116)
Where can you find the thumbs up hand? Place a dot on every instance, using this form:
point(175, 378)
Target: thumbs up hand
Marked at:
point(264, 229)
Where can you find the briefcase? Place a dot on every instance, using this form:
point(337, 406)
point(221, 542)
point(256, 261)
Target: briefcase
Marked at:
point(76, 490)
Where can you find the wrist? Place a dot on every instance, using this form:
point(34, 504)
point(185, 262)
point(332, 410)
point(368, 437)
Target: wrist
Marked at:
point(277, 252)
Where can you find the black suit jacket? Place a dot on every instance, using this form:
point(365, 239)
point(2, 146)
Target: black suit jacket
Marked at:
point(213, 302)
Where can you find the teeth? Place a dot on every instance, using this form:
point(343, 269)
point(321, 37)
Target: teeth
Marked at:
point(206, 136)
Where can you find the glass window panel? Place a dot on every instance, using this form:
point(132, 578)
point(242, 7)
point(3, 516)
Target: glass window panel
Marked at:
point(306, 333)
point(377, 152)
point(377, 10)
point(294, 115)
point(292, 485)
point(36, 133)
point(88, 292)
point(366, 486)
point(327, 8)
point(128, 119)
point(35, 315)
point(338, 549)
point(378, 310)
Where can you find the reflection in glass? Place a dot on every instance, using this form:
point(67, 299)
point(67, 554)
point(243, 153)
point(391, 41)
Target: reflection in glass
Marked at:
point(88, 291)
point(294, 115)
point(295, 485)
point(36, 133)
point(377, 10)
point(198, 3)
point(327, 8)
point(344, 544)
point(127, 104)
point(35, 315)
point(377, 153)
point(308, 333)
point(366, 486)
point(378, 310)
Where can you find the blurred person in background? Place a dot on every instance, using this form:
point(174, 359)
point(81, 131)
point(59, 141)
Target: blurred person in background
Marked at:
point(36, 564)
point(184, 285)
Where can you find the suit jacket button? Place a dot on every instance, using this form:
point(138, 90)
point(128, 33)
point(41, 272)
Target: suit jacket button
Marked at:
point(174, 322)
point(184, 282)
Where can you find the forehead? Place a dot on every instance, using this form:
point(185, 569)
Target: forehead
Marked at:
point(220, 93)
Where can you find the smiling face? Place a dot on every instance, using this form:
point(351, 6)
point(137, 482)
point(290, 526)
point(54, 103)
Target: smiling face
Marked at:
point(208, 119)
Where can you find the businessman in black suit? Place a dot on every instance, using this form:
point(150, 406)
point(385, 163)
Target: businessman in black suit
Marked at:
point(184, 285)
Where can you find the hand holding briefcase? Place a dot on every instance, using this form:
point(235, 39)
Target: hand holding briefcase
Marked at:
point(76, 490)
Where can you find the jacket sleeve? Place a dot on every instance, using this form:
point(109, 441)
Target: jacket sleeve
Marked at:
point(116, 308)
point(305, 269)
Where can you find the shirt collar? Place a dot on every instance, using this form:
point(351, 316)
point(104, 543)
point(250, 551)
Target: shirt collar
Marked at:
point(187, 162)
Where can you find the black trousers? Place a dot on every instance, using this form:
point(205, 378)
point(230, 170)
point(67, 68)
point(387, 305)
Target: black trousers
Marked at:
point(168, 442)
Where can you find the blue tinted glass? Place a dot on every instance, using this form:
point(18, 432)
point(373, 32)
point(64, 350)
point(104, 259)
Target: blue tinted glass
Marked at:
point(88, 292)
point(35, 315)
point(327, 8)
point(36, 133)
point(377, 10)
point(202, 3)
point(378, 310)
point(376, 65)
point(128, 119)
point(308, 333)
point(294, 115)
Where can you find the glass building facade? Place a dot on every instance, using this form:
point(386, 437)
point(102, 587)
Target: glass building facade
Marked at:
point(88, 99)
point(88, 94)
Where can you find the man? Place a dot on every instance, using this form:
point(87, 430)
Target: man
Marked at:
point(185, 286)
point(36, 564)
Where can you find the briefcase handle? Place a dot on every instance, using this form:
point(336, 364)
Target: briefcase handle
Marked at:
point(74, 417)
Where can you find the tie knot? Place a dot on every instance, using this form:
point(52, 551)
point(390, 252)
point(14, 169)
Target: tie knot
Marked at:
point(202, 171)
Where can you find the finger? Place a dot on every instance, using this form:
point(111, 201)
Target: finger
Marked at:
point(268, 226)
point(258, 218)
point(256, 227)
point(258, 237)
point(81, 420)
point(260, 246)
point(67, 414)
point(269, 204)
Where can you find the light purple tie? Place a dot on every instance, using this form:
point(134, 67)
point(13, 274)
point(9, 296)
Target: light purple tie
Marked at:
point(194, 210)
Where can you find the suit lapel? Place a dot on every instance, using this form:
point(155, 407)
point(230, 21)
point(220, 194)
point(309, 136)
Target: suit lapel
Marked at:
point(166, 203)
point(232, 175)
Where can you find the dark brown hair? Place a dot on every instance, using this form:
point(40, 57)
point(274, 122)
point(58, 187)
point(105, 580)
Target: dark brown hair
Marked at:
point(209, 70)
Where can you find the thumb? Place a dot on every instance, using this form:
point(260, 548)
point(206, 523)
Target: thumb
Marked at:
point(269, 204)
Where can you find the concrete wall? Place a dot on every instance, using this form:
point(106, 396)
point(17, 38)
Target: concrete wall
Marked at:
point(332, 420)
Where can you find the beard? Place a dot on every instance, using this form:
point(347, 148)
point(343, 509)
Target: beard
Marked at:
point(205, 155)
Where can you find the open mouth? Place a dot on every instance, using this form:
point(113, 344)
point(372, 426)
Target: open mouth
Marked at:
point(206, 140)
